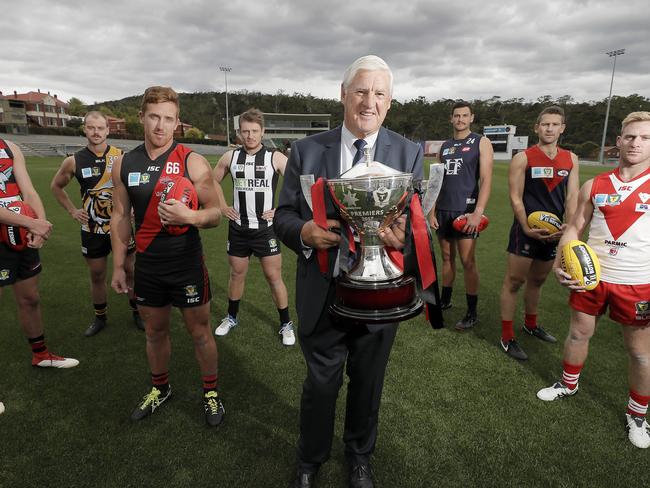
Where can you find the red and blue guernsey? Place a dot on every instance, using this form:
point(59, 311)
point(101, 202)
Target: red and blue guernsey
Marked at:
point(9, 190)
point(145, 180)
point(546, 181)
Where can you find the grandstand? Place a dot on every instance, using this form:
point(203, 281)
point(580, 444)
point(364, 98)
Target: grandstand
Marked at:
point(50, 145)
point(282, 128)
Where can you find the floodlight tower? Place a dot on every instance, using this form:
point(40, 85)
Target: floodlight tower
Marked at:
point(226, 70)
point(618, 52)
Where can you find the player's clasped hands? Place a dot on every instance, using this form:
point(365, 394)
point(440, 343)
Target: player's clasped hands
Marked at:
point(39, 232)
point(40, 228)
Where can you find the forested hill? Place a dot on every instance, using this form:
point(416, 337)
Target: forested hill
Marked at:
point(418, 119)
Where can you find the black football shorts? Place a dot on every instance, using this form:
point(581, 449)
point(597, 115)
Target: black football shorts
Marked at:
point(18, 265)
point(95, 246)
point(182, 282)
point(244, 242)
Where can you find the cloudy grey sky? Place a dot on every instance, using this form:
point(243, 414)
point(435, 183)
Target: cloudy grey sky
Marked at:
point(107, 50)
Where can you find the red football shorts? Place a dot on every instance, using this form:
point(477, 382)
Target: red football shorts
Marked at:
point(628, 304)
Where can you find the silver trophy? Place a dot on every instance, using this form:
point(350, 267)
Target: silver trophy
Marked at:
point(369, 205)
point(370, 196)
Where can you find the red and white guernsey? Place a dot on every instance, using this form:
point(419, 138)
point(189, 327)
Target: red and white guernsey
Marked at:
point(9, 190)
point(620, 225)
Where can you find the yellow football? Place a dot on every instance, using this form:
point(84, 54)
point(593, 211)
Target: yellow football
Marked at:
point(580, 261)
point(544, 220)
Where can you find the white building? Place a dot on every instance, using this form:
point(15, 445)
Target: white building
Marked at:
point(504, 142)
point(280, 128)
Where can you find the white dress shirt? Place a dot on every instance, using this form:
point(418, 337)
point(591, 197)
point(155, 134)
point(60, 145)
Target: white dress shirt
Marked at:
point(348, 149)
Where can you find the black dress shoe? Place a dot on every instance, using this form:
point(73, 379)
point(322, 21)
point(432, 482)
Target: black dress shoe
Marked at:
point(303, 480)
point(361, 476)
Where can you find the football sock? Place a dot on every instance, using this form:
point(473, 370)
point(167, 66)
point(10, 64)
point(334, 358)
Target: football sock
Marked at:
point(446, 294)
point(209, 382)
point(530, 321)
point(233, 308)
point(507, 331)
point(161, 381)
point(472, 301)
point(38, 344)
point(100, 310)
point(637, 405)
point(571, 374)
point(284, 315)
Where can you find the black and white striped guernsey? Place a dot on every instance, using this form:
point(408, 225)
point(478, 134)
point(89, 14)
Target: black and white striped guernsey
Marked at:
point(254, 183)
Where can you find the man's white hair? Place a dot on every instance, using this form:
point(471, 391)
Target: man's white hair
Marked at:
point(371, 63)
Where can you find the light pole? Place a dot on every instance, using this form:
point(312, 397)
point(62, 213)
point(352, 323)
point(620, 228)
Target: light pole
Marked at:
point(226, 70)
point(613, 54)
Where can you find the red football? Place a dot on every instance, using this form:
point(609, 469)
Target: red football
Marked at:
point(15, 236)
point(460, 221)
point(183, 190)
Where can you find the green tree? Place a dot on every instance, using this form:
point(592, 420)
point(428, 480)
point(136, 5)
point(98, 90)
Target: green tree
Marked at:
point(134, 126)
point(587, 150)
point(76, 107)
point(194, 133)
point(75, 123)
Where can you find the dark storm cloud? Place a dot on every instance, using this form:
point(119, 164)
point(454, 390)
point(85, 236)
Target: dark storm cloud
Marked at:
point(101, 51)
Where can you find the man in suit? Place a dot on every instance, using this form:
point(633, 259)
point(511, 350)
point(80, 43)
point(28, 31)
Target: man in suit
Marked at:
point(327, 343)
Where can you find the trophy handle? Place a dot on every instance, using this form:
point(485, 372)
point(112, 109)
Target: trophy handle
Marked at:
point(306, 182)
point(433, 186)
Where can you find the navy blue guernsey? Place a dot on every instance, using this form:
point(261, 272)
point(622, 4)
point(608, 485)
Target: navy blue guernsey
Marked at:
point(461, 158)
point(140, 175)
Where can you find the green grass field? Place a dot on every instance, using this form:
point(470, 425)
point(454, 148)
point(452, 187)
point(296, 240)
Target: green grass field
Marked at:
point(456, 411)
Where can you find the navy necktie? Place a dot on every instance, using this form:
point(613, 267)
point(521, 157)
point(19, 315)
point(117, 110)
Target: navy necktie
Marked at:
point(360, 144)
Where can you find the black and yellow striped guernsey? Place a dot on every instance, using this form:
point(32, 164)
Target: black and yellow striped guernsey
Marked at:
point(94, 173)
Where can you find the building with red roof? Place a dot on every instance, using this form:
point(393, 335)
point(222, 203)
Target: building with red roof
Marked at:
point(41, 109)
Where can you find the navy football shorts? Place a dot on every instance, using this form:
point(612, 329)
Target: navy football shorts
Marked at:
point(522, 245)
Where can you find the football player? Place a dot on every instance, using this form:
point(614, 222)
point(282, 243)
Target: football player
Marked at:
point(254, 170)
point(20, 269)
point(543, 177)
point(615, 207)
point(92, 167)
point(169, 267)
point(468, 160)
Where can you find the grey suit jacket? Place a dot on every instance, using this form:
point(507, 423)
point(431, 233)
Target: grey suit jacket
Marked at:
point(320, 155)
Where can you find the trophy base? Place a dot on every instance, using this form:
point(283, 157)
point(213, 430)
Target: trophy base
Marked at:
point(381, 302)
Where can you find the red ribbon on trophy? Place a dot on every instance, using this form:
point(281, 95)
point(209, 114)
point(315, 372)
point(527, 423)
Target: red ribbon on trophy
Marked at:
point(320, 219)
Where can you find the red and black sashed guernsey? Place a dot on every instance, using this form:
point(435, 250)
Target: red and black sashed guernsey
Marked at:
point(546, 181)
point(145, 180)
